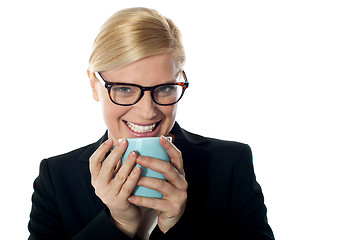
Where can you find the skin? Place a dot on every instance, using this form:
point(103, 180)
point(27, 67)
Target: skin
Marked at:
point(114, 183)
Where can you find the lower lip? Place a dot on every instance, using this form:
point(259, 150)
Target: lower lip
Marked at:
point(153, 133)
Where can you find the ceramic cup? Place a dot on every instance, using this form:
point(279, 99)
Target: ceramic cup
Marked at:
point(148, 146)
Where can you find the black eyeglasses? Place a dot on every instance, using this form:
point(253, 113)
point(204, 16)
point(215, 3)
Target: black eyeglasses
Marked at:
point(127, 94)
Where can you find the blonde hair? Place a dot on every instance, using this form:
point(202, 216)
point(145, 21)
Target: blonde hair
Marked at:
point(132, 34)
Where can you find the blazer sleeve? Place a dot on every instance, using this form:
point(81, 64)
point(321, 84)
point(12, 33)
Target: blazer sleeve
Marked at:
point(46, 221)
point(248, 211)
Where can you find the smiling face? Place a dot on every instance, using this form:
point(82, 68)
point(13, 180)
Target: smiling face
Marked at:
point(145, 118)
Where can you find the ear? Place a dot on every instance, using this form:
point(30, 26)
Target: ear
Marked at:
point(93, 83)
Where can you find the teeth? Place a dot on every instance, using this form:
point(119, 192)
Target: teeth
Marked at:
point(140, 129)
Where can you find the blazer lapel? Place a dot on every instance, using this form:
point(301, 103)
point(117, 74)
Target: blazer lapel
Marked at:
point(195, 151)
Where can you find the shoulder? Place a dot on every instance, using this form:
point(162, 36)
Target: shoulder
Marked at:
point(185, 137)
point(64, 173)
point(68, 158)
point(212, 152)
point(226, 143)
point(228, 148)
point(227, 156)
point(217, 146)
point(67, 165)
point(79, 155)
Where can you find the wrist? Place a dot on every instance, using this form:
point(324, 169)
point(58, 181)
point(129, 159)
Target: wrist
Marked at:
point(128, 229)
point(163, 230)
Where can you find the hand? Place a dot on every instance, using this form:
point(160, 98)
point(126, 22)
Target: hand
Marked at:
point(114, 184)
point(172, 205)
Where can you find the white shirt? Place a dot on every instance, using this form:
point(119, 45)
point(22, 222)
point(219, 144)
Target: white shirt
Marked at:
point(148, 223)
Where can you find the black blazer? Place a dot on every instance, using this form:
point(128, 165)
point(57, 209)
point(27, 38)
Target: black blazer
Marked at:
point(224, 199)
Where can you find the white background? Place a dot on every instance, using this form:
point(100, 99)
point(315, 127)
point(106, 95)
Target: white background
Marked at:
point(265, 73)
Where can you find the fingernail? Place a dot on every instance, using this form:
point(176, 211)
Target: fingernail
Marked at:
point(166, 139)
point(136, 169)
point(132, 154)
point(163, 138)
point(131, 199)
point(108, 142)
point(121, 142)
point(140, 159)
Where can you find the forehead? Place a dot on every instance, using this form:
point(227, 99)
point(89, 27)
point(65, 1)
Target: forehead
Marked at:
point(152, 70)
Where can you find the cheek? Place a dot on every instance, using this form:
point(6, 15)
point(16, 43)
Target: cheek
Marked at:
point(172, 111)
point(169, 112)
point(111, 112)
point(105, 105)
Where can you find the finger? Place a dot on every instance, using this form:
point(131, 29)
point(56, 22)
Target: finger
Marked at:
point(163, 187)
point(123, 173)
point(166, 169)
point(97, 157)
point(173, 153)
point(110, 164)
point(130, 183)
point(171, 207)
point(152, 203)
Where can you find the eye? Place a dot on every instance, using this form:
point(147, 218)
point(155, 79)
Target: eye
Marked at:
point(122, 89)
point(166, 90)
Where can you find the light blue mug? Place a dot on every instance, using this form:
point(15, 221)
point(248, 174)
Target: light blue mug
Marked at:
point(150, 147)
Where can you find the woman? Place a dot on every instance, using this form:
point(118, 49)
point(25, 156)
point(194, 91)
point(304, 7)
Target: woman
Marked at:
point(136, 74)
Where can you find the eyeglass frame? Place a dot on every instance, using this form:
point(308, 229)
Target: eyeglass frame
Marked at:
point(108, 85)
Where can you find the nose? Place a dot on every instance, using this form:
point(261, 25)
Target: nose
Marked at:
point(146, 108)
